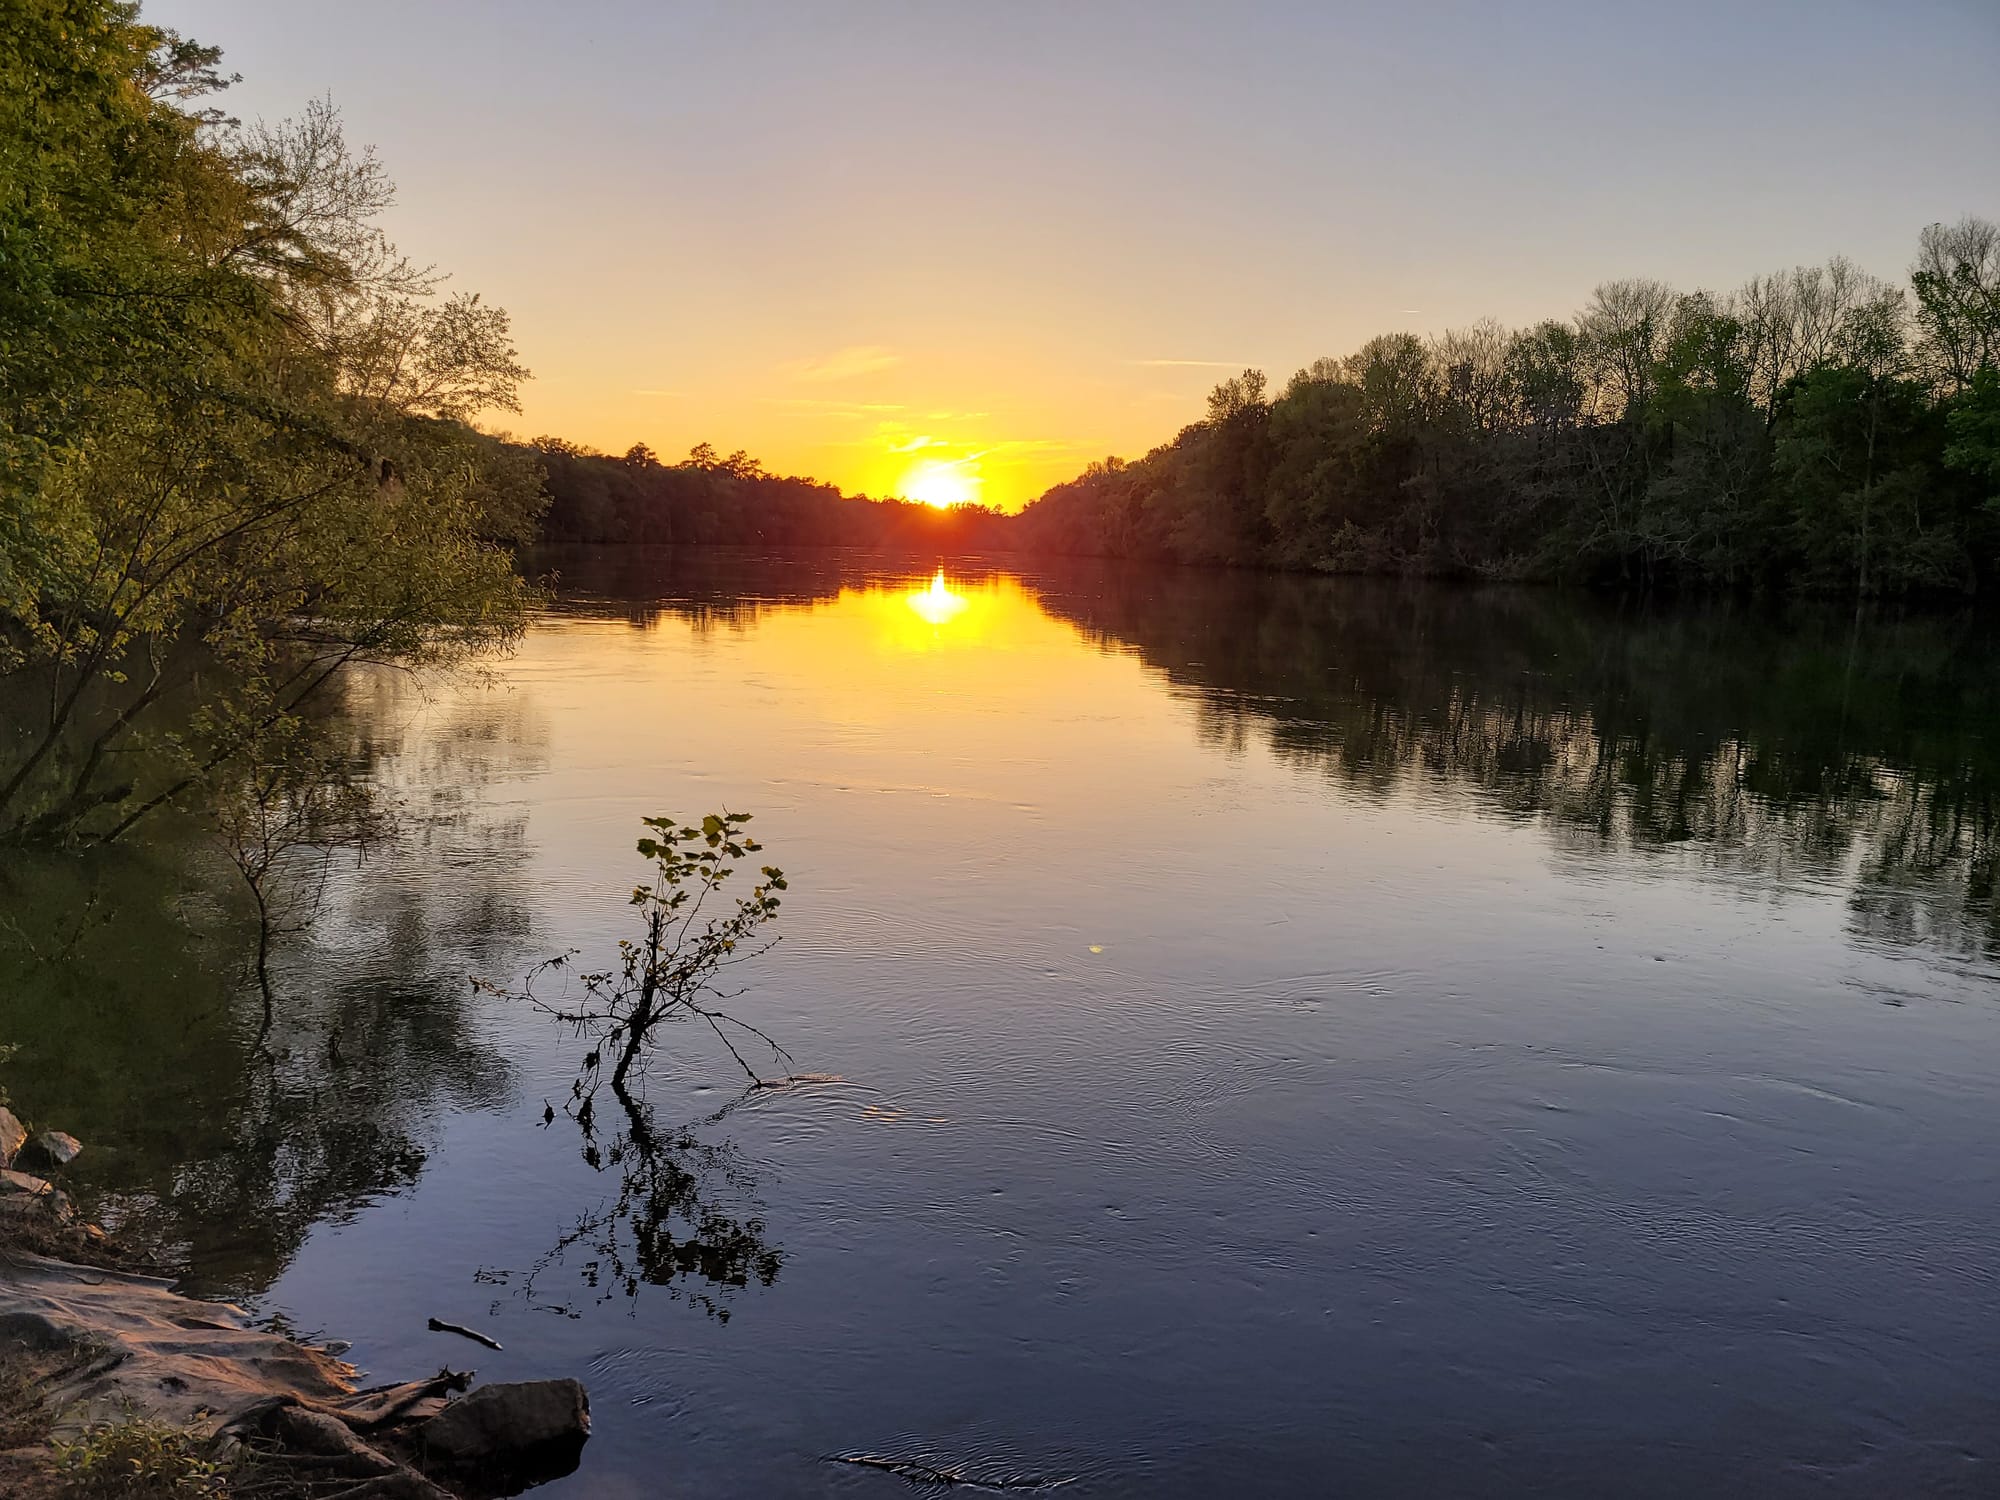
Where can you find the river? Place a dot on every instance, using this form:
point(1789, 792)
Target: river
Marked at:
point(1261, 1035)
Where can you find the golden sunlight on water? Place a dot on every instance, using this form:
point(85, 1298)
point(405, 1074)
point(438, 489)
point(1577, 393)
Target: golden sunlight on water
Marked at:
point(937, 604)
point(904, 683)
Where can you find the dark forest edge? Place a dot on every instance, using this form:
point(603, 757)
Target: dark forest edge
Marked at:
point(1817, 430)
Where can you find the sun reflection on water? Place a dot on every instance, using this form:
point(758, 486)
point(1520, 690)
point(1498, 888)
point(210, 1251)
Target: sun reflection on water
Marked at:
point(937, 604)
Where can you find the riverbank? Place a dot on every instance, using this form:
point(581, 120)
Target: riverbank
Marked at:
point(106, 1372)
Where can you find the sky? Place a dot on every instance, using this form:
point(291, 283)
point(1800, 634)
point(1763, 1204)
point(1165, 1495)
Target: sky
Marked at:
point(960, 250)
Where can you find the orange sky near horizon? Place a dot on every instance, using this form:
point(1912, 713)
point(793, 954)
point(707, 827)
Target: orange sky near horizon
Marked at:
point(968, 249)
point(923, 422)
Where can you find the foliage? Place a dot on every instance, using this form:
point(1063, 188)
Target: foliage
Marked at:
point(667, 1225)
point(233, 445)
point(1817, 429)
point(139, 1458)
point(669, 974)
point(1974, 427)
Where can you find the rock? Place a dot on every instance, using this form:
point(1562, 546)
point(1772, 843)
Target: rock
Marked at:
point(18, 1190)
point(50, 1151)
point(523, 1432)
point(23, 1217)
point(13, 1136)
point(144, 1355)
point(31, 1211)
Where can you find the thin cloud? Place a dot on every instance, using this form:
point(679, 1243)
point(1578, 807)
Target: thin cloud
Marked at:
point(1027, 445)
point(844, 364)
point(904, 441)
point(833, 408)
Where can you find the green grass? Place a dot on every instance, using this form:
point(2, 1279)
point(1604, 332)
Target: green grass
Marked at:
point(137, 1459)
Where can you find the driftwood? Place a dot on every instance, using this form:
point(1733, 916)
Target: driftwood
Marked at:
point(368, 1410)
point(295, 1444)
point(918, 1472)
point(406, 1401)
point(438, 1325)
point(902, 1468)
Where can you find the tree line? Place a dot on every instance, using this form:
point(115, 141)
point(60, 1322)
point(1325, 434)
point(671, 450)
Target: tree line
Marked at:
point(707, 498)
point(1817, 429)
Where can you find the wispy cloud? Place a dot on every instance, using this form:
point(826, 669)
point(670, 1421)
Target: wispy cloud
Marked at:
point(844, 364)
point(1027, 445)
point(851, 410)
point(1193, 364)
point(903, 441)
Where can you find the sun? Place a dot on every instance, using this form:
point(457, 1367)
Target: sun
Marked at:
point(941, 484)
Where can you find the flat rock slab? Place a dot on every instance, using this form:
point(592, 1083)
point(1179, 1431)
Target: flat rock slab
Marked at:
point(125, 1343)
point(139, 1346)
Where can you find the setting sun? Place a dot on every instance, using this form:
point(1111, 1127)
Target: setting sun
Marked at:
point(941, 484)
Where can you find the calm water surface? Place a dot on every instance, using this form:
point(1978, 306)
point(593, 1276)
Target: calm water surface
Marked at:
point(1271, 1036)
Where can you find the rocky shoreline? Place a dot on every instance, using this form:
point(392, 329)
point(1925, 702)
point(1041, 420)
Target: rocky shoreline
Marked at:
point(97, 1343)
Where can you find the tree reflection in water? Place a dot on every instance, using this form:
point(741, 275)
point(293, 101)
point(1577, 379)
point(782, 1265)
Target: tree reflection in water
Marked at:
point(663, 1228)
point(122, 987)
point(670, 1223)
point(1776, 744)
